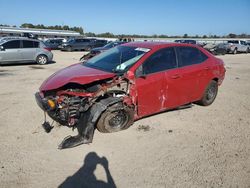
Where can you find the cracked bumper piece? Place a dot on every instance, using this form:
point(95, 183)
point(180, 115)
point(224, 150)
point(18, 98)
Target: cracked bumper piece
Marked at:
point(42, 103)
point(73, 141)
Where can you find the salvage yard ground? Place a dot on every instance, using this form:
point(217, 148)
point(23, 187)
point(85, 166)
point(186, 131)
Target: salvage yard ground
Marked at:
point(194, 147)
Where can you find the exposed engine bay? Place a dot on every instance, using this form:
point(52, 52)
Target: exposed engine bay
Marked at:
point(105, 105)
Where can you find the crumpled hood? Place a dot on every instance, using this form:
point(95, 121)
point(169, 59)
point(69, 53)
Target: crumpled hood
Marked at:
point(76, 73)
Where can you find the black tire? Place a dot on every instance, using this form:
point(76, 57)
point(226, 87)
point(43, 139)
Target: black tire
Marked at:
point(69, 49)
point(247, 50)
point(209, 94)
point(42, 59)
point(116, 118)
point(235, 51)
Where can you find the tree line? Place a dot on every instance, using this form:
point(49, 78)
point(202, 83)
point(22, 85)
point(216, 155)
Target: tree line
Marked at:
point(111, 35)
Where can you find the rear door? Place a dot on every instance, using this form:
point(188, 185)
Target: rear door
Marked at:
point(77, 44)
point(192, 73)
point(29, 50)
point(11, 51)
point(86, 43)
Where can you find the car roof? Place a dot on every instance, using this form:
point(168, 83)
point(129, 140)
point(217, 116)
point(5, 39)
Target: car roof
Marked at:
point(7, 39)
point(155, 45)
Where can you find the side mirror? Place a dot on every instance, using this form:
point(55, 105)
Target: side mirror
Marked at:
point(2, 48)
point(130, 75)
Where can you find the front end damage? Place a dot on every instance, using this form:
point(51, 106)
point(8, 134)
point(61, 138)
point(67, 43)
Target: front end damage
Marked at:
point(103, 104)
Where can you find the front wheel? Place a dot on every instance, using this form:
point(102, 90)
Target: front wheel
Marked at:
point(42, 59)
point(235, 51)
point(116, 118)
point(209, 94)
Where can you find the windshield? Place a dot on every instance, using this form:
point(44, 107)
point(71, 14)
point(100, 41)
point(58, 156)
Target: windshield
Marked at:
point(118, 59)
point(70, 40)
point(233, 41)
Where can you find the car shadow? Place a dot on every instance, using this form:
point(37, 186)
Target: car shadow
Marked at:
point(85, 176)
point(23, 64)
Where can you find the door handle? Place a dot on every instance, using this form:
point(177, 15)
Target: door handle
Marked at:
point(175, 76)
point(207, 68)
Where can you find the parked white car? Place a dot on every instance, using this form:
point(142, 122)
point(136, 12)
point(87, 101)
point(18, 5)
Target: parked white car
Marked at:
point(235, 46)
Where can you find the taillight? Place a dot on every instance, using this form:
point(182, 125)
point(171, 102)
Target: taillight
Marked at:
point(48, 49)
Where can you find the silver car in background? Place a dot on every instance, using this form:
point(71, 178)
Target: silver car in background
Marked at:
point(23, 50)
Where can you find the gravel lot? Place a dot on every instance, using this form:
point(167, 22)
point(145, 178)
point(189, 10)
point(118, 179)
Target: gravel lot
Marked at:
point(194, 147)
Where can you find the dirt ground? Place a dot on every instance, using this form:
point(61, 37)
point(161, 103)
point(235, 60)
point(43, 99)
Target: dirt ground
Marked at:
point(194, 147)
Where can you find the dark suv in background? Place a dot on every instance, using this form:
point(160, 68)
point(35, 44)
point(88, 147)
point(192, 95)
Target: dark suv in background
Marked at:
point(82, 44)
point(53, 43)
point(186, 41)
point(96, 51)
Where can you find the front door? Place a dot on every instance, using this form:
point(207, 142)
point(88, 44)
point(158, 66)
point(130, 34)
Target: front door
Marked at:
point(11, 52)
point(152, 85)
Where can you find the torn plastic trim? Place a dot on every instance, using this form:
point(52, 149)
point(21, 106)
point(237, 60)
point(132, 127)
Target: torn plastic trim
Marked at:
point(87, 122)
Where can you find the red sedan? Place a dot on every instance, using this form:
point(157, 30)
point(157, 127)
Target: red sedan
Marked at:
point(113, 89)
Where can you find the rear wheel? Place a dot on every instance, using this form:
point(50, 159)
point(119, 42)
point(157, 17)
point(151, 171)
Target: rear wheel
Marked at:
point(209, 94)
point(116, 118)
point(42, 59)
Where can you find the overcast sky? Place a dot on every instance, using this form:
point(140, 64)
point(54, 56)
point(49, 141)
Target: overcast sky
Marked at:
point(170, 17)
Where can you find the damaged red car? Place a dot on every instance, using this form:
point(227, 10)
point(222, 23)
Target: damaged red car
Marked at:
point(113, 89)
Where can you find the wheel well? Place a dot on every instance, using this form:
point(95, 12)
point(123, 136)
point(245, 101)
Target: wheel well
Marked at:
point(216, 79)
point(41, 54)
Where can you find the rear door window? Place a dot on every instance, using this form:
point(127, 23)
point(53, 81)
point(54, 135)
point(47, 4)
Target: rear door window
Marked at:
point(36, 44)
point(58, 41)
point(190, 56)
point(242, 42)
point(30, 44)
point(27, 44)
point(161, 60)
point(78, 40)
point(85, 40)
point(12, 44)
